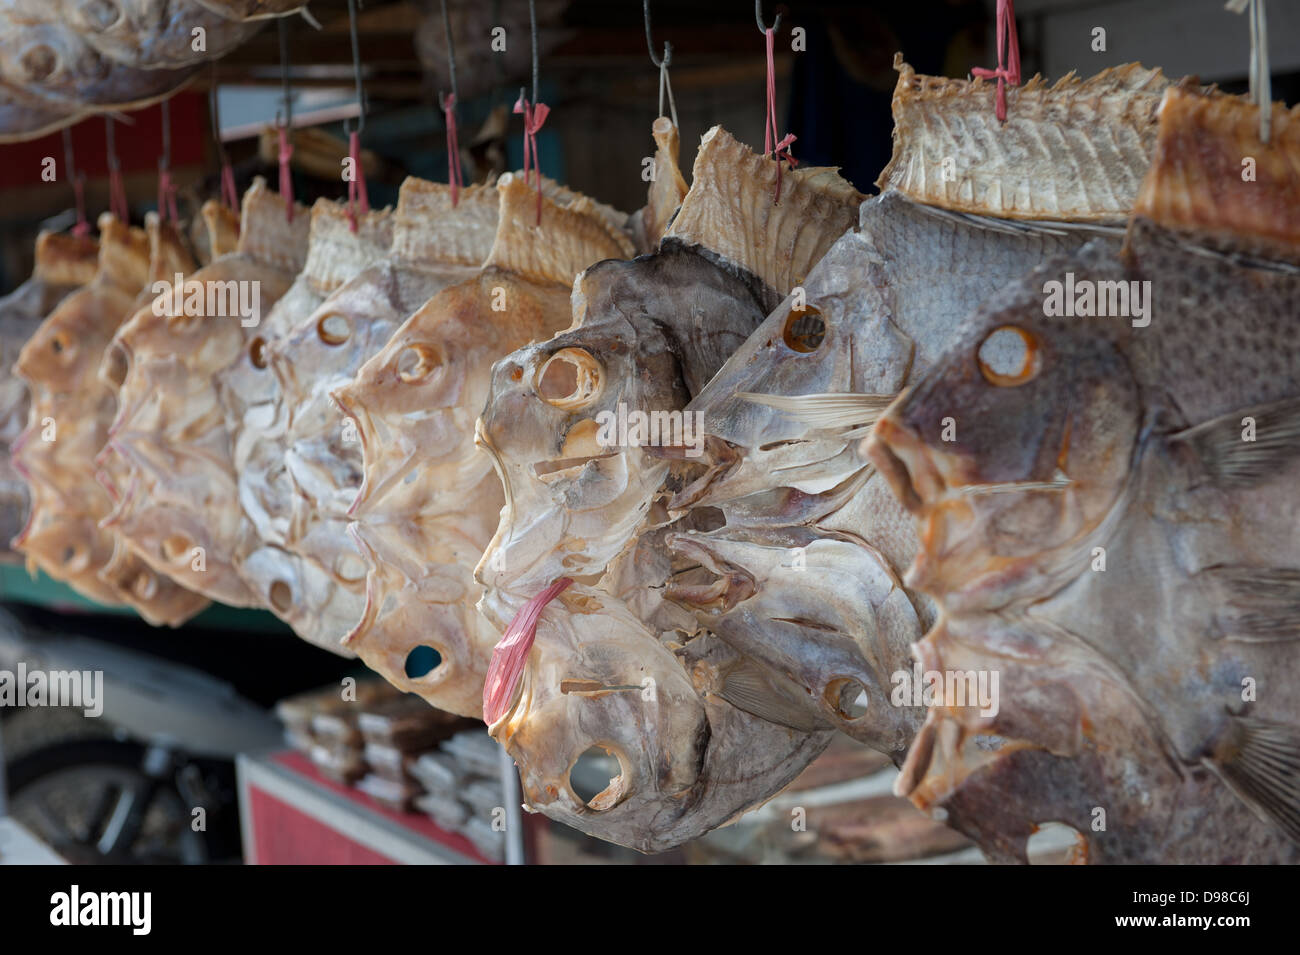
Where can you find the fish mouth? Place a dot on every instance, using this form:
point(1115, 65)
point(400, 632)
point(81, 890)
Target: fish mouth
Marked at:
point(694, 590)
point(919, 477)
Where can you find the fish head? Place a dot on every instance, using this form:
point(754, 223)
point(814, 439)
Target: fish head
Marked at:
point(828, 614)
point(600, 692)
point(832, 335)
point(575, 488)
point(1013, 449)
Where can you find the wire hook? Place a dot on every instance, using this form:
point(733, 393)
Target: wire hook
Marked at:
point(650, 43)
point(532, 25)
point(451, 54)
point(758, 18)
point(356, 72)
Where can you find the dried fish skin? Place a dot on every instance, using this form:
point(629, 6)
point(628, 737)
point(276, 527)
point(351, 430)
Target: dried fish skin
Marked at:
point(1043, 161)
point(45, 64)
point(427, 503)
point(689, 761)
point(1136, 450)
point(68, 420)
point(183, 516)
point(21, 118)
point(828, 613)
point(151, 34)
point(64, 263)
point(1049, 754)
point(649, 330)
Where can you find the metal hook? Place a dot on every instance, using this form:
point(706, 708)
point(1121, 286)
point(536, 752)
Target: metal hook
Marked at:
point(451, 56)
point(649, 41)
point(758, 18)
point(356, 72)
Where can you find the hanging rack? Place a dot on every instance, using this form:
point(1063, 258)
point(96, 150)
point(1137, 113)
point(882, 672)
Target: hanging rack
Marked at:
point(662, 63)
point(454, 176)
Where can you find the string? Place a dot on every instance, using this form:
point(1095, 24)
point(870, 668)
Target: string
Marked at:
point(228, 193)
point(357, 186)
point(117, 203)
point(454, 176)
point(286, 148)
point(453, 148)
point(82, 227)
point(778, 149)
point(1008, 49)
point(166, 188)
point(664, 82)
point(1261, 81)
point(534, 116)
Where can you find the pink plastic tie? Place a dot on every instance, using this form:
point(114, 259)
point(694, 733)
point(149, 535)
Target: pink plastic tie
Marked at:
point(1008, 49)
point(777, 148)
point(454, 177)
point(509, 656)
point(286, 179)
point(117, 193)
point(357, 187)
point(534, 116)
point(82, 228)
point(228, 193)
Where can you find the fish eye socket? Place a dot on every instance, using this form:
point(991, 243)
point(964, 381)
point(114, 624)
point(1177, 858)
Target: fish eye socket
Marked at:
point(415, 363)
point(598, 777)
point(804, 329)
point(61, 344)
point(1008, 356)
point(334, 328)
point(570, 379)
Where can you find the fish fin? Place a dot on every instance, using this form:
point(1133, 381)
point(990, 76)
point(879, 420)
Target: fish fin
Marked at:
point(1233, 461)
point(1258, 604)
point(834, 410)
point(749, 687)
point(1259, 760)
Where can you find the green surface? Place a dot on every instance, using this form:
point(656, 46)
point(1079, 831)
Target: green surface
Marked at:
point(16, 586)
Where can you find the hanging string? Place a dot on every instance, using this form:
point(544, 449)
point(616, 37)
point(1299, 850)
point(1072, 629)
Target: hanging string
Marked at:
point(1008, 50)
point(662, 63)
point(357, 196)
point(82, 227)
point(454, 176)
point(286, 148)
point(117, 203)
point(535, 114)
point(777, 148)
point(228, 193)
point(1261, 82)
point(166, 188)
